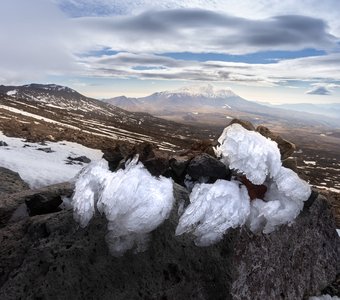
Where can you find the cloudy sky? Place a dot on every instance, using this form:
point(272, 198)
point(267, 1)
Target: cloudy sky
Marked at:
point(265, 50)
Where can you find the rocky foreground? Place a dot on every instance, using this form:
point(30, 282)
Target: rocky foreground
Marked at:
point(46, 255)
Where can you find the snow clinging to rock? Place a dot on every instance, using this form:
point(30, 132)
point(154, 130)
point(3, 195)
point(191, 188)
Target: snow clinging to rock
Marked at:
point(249, 152)
point(213, 209)
point(133, 201)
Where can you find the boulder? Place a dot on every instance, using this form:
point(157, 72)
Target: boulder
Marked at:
point(3, 144)
point(204, 165)
point(39, 204)
point(286, 148)
point(51, 257)
point(11, 182)
point(246, 124)
point(113, 157)
point(157, 166)
point(178, 166)
point(43, 197)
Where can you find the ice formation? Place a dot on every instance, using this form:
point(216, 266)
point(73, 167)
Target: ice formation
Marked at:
point(133, 201)
point(249, 152)
point(283, 202)
point(324, 297)
point(213, 209)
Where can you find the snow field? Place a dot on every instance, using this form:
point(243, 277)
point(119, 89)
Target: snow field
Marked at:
point(39, 168)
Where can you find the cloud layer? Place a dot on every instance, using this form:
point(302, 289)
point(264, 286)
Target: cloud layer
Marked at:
point(150, 66)
point(196, 30)
point(38, 40)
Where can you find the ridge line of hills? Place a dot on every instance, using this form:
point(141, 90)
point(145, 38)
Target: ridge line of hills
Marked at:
point(211, 106)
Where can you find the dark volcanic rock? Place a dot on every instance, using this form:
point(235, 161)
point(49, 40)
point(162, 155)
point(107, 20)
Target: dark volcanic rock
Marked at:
point(286, 148)
point(11, 182)
point(178, 166)
point(292, 263)
point(10, 203)
point(82, 159)
point(157, 165)
point(245, 124)
point(205, 165)
point(39, 204)
point(113, 157)
point(290, 163)
point(51, 257)
point(2, 143)
point(47, 150)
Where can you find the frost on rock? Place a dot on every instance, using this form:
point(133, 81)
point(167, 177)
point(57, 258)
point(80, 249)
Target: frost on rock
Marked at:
point(216, 207)
point(133, 201)
point(324, 297)
point(283, 202)
point(213, 209)
point(249, 152)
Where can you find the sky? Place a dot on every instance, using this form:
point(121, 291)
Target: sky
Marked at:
point(266, 50)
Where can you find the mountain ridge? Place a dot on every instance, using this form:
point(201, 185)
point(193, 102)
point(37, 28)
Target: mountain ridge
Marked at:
point(208, 105)
point(62, 108)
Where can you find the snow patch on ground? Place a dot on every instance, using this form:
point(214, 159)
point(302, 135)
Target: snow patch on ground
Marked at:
point(133, 201)
point(39, 168)
point(25, 113)
point(12, 93)
point(310, 162)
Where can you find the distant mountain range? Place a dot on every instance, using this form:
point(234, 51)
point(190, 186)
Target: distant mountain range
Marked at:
point(331, 110)
point(206, 104)
point(53, 108)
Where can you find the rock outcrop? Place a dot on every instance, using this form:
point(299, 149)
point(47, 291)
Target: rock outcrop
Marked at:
point(50, 257)
point(11, 182)
point(39, 201)
point(286, 148)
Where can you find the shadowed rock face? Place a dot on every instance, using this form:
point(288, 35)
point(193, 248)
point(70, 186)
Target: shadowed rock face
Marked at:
point(51, 257)
point(286, 148)
point(11, 182)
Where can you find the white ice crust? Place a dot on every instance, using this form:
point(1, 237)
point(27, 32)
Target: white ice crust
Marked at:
point(249, 152)
point(133, 201)
point(213, 209)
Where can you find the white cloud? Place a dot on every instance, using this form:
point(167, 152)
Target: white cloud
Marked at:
point(37, 40)
point(195, 30)
point(306, 69)
point(34, 39)
point(246, 8)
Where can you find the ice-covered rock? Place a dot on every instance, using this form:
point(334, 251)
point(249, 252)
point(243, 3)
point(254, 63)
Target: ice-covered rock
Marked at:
point(213, 209)
point(258, 158)
point(284, 200)
point(249, 152)
point(133, 201)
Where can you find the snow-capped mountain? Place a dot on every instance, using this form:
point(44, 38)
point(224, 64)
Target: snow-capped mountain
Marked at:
point(209, 105)
point(57, 108)
point(206, 91)
point(204, 98)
